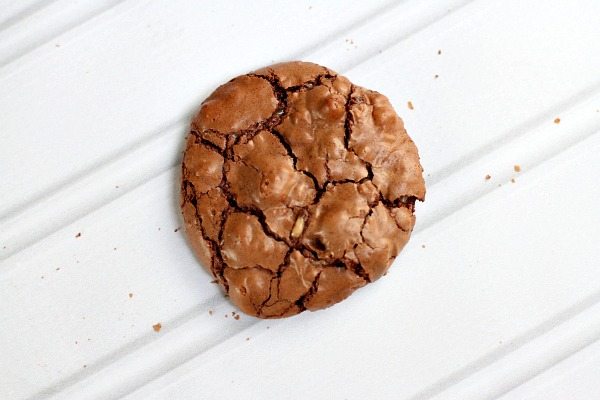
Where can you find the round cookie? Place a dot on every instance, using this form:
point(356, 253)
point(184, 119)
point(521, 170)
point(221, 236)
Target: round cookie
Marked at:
point(298, 188)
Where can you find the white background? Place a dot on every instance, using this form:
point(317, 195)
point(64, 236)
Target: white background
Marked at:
point(497, 295)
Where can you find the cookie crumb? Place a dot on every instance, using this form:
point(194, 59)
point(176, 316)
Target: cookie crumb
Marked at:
point(423, 246)
point(237, 316)
point(499, 185)
point(84, 365)
point(517, 168)
point(130, 295)
point(268, 326)
point(410, 105)
point(226, 316)
point(512, 180)
point(76, 342)
point(488, 177)
point(58, 268)
point(78, 235)
point(42, 276)
point(157, 327)
point(436, 76)
point(159, 228)
point(439, 52)
point(214, 281)
point(114, 248)
point(57, 45)
point(177, 229)
point(210, 312)
point(557, 120)
point(116, 186)
point(247, 339)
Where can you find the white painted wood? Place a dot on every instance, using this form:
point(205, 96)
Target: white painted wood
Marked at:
point(91, 132)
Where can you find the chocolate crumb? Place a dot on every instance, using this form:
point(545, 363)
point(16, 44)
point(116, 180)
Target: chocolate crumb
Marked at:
point(439, 52)
point(57, 45)
point(42, 276)
point(410, 105)
point(130, 295)
point(84, 366)
point(517, 168)
point(214, 281)
point(78, 235)
point(557, 120)
point(237, 317)
point(268, 327)
point(226, 316)
point(512, 180)
point(423, 246)
point(58, 268)
point(117, 186)
point(210, 312)
point(157, 327)
point(76, 342)
point(436, 76)
point(114, 248)
point(488, 177)
point(247, 338)
point(177, 229)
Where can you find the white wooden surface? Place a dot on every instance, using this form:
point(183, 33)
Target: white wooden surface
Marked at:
point(496, 296)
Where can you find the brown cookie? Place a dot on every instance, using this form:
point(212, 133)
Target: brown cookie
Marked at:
point(297, 188)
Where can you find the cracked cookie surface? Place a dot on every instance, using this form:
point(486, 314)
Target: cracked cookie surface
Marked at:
point(298, 188)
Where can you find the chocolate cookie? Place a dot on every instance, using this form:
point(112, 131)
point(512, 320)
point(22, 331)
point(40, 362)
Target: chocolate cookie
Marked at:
point(297, 188)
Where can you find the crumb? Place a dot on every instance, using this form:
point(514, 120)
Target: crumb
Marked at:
point(267, 327)
point(557, 120)
point(76, 342)
point(488, 177)
point(3, 247)
point(78, 235)
point(114, 248)
point(177, 229)
point(89, 340)
point(210, 312)
point(517, 168)
point(159, 229)
point(423, 246)
point(214, 281)
point(57, 45)
point(310, 7)
point(130, 295)
point(410, 105)
point(436, 76)
point(117, 186)
point(58, 268)
point(237, 317)
point(77, 261)
point(233, 313)
point(226, 315)
point(42, 276)
point(157, 327)
point(499, 185)
point(380, 51)
point(84, 366)
point(247, 339)
point(439, 52)
point(512, 180)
